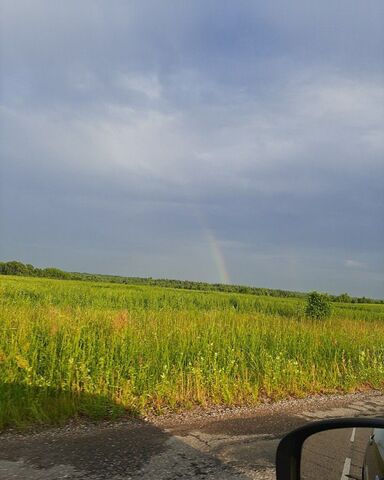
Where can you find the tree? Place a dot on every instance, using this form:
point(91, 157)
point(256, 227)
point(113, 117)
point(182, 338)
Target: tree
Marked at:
point(318, 306)
point(344, 298)
point(51, 272)
point(13, 268)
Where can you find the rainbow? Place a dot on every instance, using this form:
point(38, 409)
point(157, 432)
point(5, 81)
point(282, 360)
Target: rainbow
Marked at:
point(214, 246)
point(217, 256)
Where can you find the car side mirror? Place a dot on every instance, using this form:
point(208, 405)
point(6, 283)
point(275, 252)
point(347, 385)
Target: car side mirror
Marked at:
point(344, 449)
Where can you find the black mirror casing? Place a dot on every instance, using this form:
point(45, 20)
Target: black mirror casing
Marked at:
point(288, 456)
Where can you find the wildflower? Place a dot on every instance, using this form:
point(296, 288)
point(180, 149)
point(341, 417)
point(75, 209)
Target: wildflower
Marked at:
point(22, 362)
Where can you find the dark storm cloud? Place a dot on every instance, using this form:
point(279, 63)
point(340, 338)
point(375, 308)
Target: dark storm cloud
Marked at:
point(131, 129)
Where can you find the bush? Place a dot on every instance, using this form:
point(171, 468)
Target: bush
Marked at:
point(318, 306)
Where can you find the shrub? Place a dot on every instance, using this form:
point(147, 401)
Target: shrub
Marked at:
point(318, 306)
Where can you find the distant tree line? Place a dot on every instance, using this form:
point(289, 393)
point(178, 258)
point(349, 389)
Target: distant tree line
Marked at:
point(28, 270)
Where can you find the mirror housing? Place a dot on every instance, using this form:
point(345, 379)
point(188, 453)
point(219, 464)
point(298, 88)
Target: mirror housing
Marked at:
point(288, 456)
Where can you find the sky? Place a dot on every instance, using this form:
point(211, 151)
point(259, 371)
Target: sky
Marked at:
point(236, 142)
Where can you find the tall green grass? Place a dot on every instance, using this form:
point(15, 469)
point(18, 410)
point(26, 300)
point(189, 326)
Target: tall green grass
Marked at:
point(73, 348)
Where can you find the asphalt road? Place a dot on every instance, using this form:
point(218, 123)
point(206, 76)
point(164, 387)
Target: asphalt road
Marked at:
point(217, 444)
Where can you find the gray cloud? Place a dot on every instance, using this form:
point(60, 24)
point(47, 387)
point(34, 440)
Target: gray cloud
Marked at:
point(129, 131)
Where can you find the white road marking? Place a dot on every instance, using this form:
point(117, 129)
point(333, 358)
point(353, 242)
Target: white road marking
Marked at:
point(353, 435)
point(346, 469)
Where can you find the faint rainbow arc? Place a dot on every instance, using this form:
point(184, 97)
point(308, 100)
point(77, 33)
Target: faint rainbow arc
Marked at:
point(218, 256)
point(214, 246)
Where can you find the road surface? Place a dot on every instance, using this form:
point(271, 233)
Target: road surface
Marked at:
point(217, 444)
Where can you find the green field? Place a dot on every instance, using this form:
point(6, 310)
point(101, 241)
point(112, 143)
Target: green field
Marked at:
point(71, 348)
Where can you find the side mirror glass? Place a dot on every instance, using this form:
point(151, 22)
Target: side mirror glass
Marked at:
point(346, 449)
point(343, 454)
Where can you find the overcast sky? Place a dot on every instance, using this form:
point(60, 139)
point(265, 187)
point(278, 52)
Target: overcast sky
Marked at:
point(207, 140)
